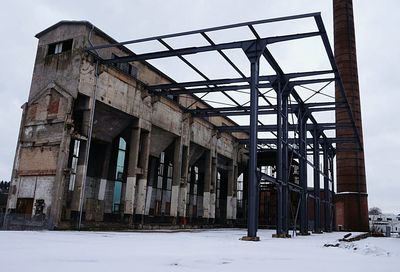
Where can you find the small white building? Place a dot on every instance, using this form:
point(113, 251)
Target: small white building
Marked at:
point(379, 222)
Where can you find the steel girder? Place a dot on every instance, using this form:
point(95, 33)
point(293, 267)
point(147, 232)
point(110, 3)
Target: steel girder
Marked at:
point(285, 87)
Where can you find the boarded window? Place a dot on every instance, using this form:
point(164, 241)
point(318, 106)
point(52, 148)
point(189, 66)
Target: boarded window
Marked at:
point(54, 103)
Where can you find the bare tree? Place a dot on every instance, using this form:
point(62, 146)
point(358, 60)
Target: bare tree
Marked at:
point(374, 211)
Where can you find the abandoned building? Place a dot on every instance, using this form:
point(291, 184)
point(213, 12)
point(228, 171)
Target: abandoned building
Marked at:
point(109, 140)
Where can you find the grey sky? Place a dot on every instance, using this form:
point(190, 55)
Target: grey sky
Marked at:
point(377, 24)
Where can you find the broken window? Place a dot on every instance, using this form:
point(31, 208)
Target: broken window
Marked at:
point(59, 47)
point(192, 191)
point(218, 191)
point(54, 103)
point(74, 165)
point(221, 195)
point(119, 176)
point(163, 186)
point(239, 190)
point(125, 67)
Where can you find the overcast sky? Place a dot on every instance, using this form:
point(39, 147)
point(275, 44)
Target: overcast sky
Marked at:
point(378, 40)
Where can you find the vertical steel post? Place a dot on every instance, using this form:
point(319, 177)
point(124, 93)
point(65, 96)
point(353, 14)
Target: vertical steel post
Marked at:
point(279, 162)
point(252, 219)
point(282, 224)
point(317, 185)
point(332, 193)
point(303, 173)
point(327, 196)
point(285, 165)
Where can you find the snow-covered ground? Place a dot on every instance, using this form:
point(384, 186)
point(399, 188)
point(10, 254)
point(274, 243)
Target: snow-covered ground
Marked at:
point(211, 250)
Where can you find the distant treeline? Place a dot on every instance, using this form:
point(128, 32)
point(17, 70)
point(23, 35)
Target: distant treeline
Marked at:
point(4, 186)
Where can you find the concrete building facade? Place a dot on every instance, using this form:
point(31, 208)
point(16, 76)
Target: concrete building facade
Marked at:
point(146, 160)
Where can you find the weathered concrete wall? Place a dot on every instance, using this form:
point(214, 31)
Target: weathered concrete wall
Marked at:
point(43, 157)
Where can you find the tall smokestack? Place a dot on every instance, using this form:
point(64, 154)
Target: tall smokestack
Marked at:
point(351, 199)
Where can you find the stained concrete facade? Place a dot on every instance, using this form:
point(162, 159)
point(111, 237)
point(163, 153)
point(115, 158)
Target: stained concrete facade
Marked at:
point(148, 163)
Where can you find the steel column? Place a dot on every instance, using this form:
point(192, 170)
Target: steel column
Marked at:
point(303, 172)
point(282, 161)
point(317, 185)
point(327, 196)
point(253, 52)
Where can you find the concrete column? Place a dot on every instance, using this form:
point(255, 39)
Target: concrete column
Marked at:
point(183, 185)
point(213, 187)
point(176, 176)
point(141, 187)
point(131, 176)
point(207, 185)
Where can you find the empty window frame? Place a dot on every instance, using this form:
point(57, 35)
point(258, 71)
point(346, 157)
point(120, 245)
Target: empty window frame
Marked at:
point(164, 186)
point(239, 192)
point(119, 176)
point(59, 47)
point(125, 67)
point(74, 165)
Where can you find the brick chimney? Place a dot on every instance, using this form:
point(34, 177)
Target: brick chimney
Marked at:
point(351, 200)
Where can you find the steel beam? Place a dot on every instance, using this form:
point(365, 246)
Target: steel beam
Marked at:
point(251, 23)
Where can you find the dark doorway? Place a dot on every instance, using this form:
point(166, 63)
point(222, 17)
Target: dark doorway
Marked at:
point(24, 206)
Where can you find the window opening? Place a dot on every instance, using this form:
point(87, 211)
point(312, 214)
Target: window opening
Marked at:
point(239, 192)
point(59, 47)
point(74, 165)
point(192, 192)
point(163, 186)
point(119, 174)
point(125, 67)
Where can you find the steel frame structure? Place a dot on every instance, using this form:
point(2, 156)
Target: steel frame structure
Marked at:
point(285, 86)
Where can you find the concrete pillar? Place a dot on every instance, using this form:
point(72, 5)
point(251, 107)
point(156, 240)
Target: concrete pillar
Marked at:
point(176, 176)
point(207, 185)
point(183, 185)
point(131, 174)
point(141, 187)
point(213, 187)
